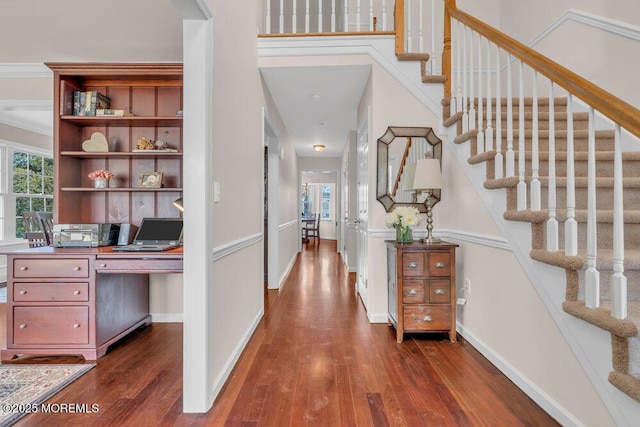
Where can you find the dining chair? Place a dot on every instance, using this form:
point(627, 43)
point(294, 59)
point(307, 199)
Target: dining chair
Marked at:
point(313, 229)
point(38, 228)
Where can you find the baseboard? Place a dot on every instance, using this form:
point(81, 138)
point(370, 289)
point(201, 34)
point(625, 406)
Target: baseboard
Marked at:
point(553, 408)
point(287, 271)
point(167, 318)
point(377, 317)
point(218, 383)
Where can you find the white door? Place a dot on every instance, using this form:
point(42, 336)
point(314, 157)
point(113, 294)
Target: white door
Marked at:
point(344, 215)
point(363, 202)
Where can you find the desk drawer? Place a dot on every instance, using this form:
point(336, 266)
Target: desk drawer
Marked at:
point(27, 292)
point(50, 325)
point(138, 265)
point(65, 267)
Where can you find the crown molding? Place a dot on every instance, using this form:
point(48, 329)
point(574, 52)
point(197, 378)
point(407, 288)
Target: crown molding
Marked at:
point(22, 70)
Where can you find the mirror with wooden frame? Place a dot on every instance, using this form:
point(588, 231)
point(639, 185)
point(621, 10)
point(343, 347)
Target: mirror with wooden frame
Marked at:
point(399, 149)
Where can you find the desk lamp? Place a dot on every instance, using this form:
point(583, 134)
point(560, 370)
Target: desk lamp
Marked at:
point(428, 178)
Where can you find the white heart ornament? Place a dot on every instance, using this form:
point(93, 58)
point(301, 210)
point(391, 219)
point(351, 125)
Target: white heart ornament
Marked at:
point(97, 143)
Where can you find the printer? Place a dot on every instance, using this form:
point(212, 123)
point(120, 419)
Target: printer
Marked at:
point(84, 235)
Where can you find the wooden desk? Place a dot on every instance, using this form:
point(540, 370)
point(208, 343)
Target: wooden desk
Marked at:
point(63, 301)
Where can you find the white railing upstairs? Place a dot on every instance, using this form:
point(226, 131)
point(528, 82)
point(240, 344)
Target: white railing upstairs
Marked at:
point(419, 22)
point(485, 65)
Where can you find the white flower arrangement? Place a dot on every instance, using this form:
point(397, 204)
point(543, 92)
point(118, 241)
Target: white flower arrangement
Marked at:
point(404, 216)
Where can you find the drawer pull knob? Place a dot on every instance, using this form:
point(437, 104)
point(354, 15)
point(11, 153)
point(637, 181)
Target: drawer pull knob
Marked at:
point(23, 292)
point(76, 325)
point(439, 291)
point(413, 264)
point(413, 292)
point(76, 292)
point(439, 264)
point(76, 268)
point(426, 319)
point(103, 265)
point(23, 325)
point(24, 268)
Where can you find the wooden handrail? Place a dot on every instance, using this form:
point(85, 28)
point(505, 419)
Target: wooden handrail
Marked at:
point(398, 22)
point(621, 112)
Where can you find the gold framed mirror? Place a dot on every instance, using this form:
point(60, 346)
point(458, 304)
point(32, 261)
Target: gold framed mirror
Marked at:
point(398, 151)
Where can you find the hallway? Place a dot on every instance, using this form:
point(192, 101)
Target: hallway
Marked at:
point(316, 360)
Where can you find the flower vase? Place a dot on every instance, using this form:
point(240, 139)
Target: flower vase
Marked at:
point(100, 183)
point(404, 234)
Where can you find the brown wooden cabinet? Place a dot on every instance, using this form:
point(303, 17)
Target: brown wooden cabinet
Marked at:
point(421, 286)
point(153, 93)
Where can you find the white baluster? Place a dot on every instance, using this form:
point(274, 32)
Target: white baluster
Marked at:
point(511, 156)
point(552, 222)
point(408, 47)
point(345, 24)
point(384, 15)
point(458, 47)
point(480, 135)
point(333, 16)
point(294, 18)
point(420, 28)
point(472, 94)
point(432, 58)
point(499, 162)
point(488, 133)
point(281, 16)
point(618, 279)
point(570, 224)
point(592, 275)
point(522, 186)
point(358, 16)
point(267, 21)
point(465, 73)
point(320, 16)
point(535, 154)
point(371, 15)
point(306, 17)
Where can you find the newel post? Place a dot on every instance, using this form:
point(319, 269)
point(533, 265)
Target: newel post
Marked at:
point(446, 49)
point(398, 15)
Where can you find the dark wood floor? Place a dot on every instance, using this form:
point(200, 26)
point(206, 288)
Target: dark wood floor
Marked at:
point(314, 360)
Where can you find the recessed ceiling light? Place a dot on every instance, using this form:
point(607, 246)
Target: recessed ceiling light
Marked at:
point(319, 147)
point(315, 96)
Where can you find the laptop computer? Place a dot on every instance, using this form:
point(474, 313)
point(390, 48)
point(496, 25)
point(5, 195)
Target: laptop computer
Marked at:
point(155, 235)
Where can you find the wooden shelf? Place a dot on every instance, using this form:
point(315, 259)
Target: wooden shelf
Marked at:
point(121, 189)
point(168, 121)
point(121, 155)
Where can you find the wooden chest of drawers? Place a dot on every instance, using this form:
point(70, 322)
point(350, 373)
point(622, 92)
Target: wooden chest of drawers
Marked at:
point(421, 286)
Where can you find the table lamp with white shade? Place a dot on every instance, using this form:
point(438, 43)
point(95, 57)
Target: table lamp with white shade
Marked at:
point(428, 177)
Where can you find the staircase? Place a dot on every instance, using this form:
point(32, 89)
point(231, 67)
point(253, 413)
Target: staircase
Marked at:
point(624, 333)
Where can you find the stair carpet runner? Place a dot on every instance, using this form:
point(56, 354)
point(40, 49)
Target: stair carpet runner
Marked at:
point(624, 333)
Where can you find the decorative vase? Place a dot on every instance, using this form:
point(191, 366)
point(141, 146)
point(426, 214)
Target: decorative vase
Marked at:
point(100, 183)
point(404, 234)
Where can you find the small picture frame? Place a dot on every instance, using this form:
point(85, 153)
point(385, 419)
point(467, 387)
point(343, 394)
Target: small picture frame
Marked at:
point(150, 179)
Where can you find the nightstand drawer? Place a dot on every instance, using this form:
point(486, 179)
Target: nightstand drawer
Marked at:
point(413, 264)
point(70, 268)
point(50, 325)
point(26, 292)
point(413, 291)
point(439, 264)
point(427, 317)
point(439, 291)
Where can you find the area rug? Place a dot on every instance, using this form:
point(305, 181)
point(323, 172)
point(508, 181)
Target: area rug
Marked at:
point(23, 388)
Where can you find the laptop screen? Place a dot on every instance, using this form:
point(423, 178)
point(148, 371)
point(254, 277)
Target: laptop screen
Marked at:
point(159, 231)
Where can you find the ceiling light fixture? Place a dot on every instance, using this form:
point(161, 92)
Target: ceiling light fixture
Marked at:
point(319, 147)
point(315, 96)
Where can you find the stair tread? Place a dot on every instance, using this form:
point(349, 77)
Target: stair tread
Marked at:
point(576, 262)
point(603, 215)
point(604, 155)
point(602, 318)
point(561, 181)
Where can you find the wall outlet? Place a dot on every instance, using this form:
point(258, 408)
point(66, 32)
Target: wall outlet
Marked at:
point(462, 301)
point(467, 285)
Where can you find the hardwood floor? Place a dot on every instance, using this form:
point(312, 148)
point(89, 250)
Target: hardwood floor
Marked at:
point(314, 360)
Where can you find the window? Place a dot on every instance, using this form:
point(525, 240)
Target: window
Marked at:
point(26, 184)
point(317, 199)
